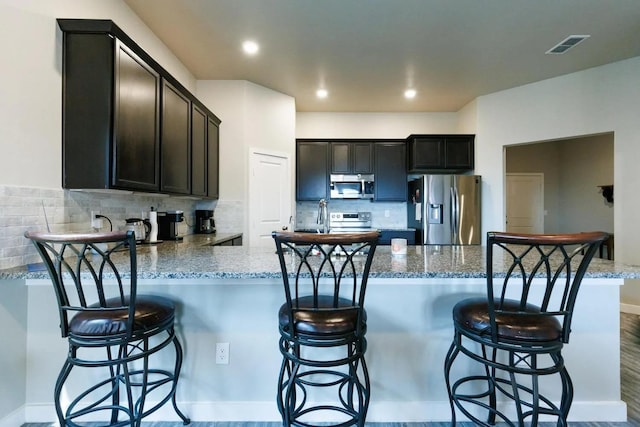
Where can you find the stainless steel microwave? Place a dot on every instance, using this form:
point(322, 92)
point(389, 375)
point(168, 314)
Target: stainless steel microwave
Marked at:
point(358, 186)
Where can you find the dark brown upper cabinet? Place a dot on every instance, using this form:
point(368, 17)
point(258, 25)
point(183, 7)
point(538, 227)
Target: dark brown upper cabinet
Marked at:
point(198, 151)
point(111, 116)
point(175, 169)
point(390, 171)
point(136, 119)
point(204, 153)
point(440, 153)
point(126, 121)
point(312, 170)
point(351, 157)
point(213, 157)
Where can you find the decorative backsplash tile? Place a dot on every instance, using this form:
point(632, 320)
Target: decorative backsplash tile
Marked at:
point(383, 215)
point(24, 208)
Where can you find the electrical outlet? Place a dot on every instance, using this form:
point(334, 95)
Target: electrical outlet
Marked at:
point(222, 353)
point(96, 222)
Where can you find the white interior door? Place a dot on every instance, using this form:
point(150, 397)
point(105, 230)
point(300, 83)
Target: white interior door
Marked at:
point(269, 196)
point(525, 203)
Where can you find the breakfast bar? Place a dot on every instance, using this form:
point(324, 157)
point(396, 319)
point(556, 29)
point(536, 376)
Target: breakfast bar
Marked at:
point(231, 294)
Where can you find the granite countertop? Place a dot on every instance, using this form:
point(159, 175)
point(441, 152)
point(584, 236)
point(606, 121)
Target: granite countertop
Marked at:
point(195, 258)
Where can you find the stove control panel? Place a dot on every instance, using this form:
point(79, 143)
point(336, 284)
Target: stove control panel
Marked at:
point(360, 220)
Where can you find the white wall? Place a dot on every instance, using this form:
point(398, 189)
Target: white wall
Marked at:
point(252, 117)
point(589, 164)
point(598, 100)
point(373, 125)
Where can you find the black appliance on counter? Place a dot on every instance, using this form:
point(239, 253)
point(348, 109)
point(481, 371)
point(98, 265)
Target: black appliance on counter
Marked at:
point(205, 224)
point(168, 225)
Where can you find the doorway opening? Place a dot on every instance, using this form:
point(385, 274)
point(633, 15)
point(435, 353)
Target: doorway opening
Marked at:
point(574, 171)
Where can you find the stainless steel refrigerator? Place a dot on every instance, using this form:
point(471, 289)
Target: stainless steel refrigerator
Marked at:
point(445, 209)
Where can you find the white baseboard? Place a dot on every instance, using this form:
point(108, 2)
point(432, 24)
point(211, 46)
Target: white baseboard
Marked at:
point(630, 308)
point(420, 411)
point(15, 418)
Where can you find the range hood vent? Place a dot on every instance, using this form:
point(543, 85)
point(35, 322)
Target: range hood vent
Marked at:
point(566, 44)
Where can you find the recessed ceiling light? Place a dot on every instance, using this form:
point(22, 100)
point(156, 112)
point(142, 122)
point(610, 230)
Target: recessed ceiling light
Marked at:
point(322, 93)
point(410, 93)
point(250, 47)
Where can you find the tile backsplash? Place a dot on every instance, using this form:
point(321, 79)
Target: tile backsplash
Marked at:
point(23, 208)
point(383, 215)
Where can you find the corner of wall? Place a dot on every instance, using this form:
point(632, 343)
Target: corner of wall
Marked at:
point(468, 118)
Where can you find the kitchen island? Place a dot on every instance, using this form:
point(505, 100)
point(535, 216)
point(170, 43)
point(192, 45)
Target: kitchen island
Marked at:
point(232, 294)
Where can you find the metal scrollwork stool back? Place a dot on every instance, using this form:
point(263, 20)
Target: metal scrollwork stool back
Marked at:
point(518, 330)
point(322, 326)
point(110, 328)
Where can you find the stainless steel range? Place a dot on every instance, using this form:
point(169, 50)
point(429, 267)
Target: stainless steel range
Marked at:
point(349, 222)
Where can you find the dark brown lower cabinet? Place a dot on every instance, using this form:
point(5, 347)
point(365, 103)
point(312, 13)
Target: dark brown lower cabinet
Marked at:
point(236, 241)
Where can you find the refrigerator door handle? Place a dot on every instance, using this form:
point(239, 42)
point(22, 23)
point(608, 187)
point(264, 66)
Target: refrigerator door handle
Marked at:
point(452, 214)
point(455, 209)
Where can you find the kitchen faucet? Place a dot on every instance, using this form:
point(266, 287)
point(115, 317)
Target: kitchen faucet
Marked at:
point(323, 216)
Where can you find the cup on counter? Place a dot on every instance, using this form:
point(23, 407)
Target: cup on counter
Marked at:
point(398, 247)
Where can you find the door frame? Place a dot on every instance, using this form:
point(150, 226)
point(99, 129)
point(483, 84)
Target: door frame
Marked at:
point(254, 215)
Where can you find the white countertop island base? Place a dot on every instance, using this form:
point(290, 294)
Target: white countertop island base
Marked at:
point(409, 332)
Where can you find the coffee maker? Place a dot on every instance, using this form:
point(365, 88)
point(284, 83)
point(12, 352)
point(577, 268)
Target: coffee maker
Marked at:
point(168, 225)
point(205, 224)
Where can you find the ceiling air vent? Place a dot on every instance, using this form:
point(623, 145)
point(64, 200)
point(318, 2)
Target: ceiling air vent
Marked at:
point(566, 44)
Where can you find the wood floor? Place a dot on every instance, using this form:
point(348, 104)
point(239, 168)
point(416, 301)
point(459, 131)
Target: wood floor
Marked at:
point(629, 373)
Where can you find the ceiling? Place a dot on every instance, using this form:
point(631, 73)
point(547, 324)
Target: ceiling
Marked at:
point(365, 53)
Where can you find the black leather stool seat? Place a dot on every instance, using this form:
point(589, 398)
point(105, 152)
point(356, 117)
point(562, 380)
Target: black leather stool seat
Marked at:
point(323, 320)
point(151, 312)
point(473, 315)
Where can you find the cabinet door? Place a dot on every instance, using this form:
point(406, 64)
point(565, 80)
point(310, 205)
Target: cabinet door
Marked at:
point(340, 158)
point(390, 171)
point(176, 141)
point(351, 157)
point(312, 170)
point(198, 151)
point(459, 153)
point(426, 153)
point(362, 157)
point(88, 88)
point(213, 159)
point(136, 122)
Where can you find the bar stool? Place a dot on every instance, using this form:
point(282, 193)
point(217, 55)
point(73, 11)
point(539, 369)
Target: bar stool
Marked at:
point(517, 332)
point(109, 328)
point(322, 326)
